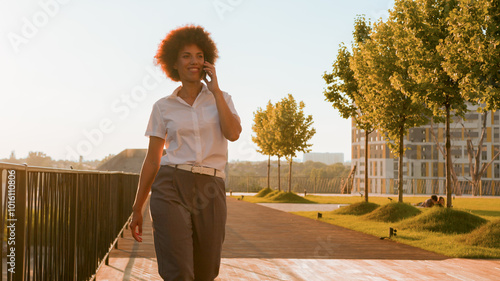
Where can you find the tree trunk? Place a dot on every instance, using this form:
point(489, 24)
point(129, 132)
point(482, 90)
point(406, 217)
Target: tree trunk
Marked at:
point(279, 175)
point(454, 177)
point(448, 159)
point(367, 185)
point(268, 171)
point(476, 171)
point(290, 176)
point(400, 171)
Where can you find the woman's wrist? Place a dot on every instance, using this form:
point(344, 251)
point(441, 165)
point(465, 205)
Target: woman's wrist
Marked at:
point(136, 209)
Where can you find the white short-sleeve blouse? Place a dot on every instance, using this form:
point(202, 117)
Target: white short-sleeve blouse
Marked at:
point(192, 134)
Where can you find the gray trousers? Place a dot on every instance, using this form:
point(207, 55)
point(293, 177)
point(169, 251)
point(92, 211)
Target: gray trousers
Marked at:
point(189, 217)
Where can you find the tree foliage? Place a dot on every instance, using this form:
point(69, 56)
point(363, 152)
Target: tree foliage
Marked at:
point(343, 89)
point(282, 130)
point(263, 129)
point(419, 27)
point(394, 113)
point(472, 51)
point(293, 130)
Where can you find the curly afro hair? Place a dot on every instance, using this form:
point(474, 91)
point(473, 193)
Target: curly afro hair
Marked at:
point(169, 48)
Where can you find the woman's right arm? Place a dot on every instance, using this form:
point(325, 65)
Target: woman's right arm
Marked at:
point(148, 173)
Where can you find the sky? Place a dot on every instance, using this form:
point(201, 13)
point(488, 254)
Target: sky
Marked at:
point(78, 77)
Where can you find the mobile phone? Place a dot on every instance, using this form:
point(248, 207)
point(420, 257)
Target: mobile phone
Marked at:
point(205, 77)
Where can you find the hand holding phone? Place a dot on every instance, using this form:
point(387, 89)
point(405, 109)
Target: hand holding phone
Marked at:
point(209, 75)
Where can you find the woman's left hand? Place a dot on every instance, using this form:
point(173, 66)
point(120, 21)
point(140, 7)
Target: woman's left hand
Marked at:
point(209, 69)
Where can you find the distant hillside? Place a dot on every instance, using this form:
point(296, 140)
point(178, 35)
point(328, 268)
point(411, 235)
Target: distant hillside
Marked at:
point(129, 160)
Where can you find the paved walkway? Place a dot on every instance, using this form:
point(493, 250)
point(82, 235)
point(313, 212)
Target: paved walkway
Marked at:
point(268, 244)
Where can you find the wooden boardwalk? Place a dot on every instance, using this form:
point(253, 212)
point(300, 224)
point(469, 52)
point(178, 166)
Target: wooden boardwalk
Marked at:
point(267, 244)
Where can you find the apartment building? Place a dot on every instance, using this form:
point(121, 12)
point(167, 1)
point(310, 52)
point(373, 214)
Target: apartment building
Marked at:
point(422, 159)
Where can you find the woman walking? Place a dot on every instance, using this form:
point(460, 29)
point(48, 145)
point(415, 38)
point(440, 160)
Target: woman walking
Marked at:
point(188, 201)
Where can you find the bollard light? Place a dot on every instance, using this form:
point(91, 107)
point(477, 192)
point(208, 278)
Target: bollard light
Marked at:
point(392, 232)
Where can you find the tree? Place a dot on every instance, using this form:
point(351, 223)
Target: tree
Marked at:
point(476, 169)
point(454, 177)
point(374, 64)
point(472, 51)
point(263, 128)
point(292, 130)
point(38, 159)
point(343, 89)
point(419, 26)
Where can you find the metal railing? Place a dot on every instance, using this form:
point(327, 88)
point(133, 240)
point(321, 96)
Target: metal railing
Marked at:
point(299, 184)
point(438, 186)
point(60, 224)
point(333, 185)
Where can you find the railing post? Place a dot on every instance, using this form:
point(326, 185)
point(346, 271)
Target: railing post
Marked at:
point(74, 230)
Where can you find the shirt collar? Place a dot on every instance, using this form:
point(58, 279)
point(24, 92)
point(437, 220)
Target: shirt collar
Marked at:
point(175, 94)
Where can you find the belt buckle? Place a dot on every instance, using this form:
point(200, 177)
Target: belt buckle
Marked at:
point(196, 169)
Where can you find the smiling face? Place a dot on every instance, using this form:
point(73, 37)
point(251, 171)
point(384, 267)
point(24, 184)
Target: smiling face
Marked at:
point(189, 63)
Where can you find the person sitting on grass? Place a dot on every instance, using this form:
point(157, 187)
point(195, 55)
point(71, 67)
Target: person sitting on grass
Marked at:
point(430, 202)
point(440, 202)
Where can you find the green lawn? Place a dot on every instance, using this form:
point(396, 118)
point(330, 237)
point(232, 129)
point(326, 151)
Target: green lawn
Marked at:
point(451, 245)
point(447, 244)
point(480, 206)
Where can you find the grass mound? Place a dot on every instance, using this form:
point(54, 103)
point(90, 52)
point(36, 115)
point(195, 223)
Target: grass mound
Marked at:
point(445, 220)
point(264, 192)
point(272, 193)
point(487, 235)
point(357, 209)
point(393, 212)
point(287, 197)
